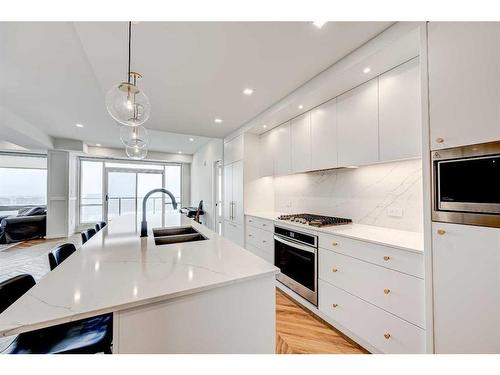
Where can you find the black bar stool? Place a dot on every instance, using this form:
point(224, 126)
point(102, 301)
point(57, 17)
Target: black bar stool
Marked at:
point(60, 253)
point(87, 336)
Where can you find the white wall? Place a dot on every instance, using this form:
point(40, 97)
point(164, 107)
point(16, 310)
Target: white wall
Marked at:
point(362, 194)
point(202, 178)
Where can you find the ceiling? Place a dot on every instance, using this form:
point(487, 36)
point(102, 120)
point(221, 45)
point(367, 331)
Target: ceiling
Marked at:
point(54, 75)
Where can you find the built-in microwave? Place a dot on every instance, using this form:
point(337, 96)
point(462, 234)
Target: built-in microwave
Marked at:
point(466, 185)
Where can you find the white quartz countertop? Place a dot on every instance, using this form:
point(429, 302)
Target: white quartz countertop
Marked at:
point(405, 240)
point(116, 270)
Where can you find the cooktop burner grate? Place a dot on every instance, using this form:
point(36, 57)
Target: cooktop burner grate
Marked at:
point(315, 220)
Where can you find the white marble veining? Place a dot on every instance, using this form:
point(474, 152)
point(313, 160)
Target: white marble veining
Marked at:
point(116, 270)
point(405, 240)
point(361, 194)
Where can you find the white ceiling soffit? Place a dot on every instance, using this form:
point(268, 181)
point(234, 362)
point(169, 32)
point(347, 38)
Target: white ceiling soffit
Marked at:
point(394, 46)
point(56, 74)
point(195, 72)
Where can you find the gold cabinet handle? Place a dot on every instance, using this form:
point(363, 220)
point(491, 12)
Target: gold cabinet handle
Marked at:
point(250, 235)
point(334, 270)
point(264, 225)
point(334, 243)
point(439, 140)
point(264, 241)
point(387, 336)
point(386, 258)
point(387, 291)
point(334, 305)
point(441, 232)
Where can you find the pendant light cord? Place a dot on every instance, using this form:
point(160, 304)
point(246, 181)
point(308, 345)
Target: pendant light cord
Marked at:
point(129, 44)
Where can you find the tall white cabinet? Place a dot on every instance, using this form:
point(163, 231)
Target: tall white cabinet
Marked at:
point(464, 81)
point(324, 136)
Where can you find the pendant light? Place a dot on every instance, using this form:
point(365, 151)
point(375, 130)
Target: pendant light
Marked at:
point(125, 102)
point(132, 136)
point(136, 152)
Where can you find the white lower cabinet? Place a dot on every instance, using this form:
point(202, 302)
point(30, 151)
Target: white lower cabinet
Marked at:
point(393, 291)
point(384, 331)
point(234, 232)
point(466, 282)
point(259, 237)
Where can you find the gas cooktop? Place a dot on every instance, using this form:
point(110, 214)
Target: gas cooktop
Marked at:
point(315, 220)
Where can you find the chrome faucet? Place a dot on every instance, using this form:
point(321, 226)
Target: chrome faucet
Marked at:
point(144, 223)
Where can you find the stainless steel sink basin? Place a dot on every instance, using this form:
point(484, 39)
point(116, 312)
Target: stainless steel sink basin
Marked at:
point(161, 232)
point(166, 236)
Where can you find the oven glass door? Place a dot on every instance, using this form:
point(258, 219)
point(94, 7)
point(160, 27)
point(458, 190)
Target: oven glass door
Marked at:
point(470, 185)
point(296, 261)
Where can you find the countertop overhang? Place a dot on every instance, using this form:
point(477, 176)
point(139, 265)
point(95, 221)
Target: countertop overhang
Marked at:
point(117, 270)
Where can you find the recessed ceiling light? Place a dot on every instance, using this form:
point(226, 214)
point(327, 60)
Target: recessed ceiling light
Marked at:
point(191, 139)
point(179, 152)
point(248, 91)
point(367, 70)
point(79, 125)
point(98, 144)
point(264, 126)
point(319, 24)
point(218, 120)
point(301, 106)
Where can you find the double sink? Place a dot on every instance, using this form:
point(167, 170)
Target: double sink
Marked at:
point(166, 236)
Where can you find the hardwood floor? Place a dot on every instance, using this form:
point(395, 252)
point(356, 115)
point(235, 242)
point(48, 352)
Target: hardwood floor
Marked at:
point(298, 331)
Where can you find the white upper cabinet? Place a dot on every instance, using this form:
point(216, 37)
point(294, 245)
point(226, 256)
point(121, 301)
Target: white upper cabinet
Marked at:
point(464, 81)
point(300, 133)
point(233, 150)
point(400, 133)
point(266, 160)
point(357, 125)
point(324, 136)
point(281, 150)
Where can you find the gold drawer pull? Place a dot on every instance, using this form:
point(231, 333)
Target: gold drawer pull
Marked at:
point(387, 291)
point(264, 241)
point(264, 225)
point(387, 336)
point(441, 232)
point(250, 235)
point(334, 243)
point(386, 258)
point(334, 305)
point(250, 221)
point(439, 140)
point(334, 270)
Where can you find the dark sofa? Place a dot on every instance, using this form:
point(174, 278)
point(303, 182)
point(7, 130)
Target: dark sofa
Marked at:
point(28, 224)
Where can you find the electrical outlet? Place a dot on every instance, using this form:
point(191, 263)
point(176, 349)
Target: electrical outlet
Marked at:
point(394, 211)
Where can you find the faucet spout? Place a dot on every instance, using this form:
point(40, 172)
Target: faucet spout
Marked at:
point(144, 223)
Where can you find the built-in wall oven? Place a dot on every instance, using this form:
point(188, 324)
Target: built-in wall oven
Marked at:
point(296, 253)
point(466, 185)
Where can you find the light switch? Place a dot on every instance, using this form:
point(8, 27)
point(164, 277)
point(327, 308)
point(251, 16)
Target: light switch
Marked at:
point(395, 211)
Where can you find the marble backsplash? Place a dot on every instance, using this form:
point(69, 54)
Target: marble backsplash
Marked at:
point(363, 194)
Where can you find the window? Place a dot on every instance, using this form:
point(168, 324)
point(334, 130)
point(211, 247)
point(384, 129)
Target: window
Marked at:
point(91, 191)
point(23, 182)
point(173, 184)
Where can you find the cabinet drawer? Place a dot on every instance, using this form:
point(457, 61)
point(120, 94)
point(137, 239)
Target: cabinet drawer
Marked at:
point(389, 257)
point(259, 238)
point(386, 332)
point(257, 222)
point(264, 254)
point(393, 291)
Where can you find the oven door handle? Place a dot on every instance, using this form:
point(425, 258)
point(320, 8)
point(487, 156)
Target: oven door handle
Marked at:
point(295, 245)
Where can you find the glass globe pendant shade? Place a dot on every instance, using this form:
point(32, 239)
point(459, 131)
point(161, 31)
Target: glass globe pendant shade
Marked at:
point(127, 104)
point(132, 136)
point(136, 152)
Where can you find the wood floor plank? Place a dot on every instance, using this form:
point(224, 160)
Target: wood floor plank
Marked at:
point(298, 331)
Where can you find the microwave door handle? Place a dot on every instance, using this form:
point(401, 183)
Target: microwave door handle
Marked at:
point(295, 245)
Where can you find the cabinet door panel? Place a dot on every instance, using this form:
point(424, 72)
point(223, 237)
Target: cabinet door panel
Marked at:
point(228, 191)
point(266, 162)
point(300, 130)
point(400, 112)
point(237, 181)
point(281, 150)
point(463, 83)
point(357, 125)
point(324, 136)
point(466, 280)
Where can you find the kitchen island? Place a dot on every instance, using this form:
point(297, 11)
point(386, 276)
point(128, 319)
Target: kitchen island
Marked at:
point(207, 296)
